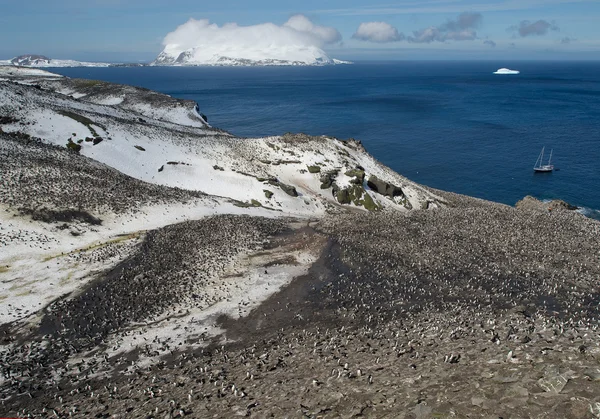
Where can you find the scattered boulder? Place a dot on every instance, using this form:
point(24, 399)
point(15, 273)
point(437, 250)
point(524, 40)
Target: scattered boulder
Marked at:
point(354, 194)
point(73, 146)
point(384, 188)
point(314, 169)
point(357, 174)
point(327, 179)
point(288, 189)
point(97, 140)
point(343, 196)
point(268, 193)
point(161, 168)
point(216, 167)
point(140, 148)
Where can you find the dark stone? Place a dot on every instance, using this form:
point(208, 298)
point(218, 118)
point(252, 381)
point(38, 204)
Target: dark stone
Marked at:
point(327, 184)
point(343, 196)
point(327, 179)
point(357, 174)
point(98, 140)
point(384, 188)
point(161, 168)
point(73, 146)
point(314, 169)
point(140, 148)
point(288, 189)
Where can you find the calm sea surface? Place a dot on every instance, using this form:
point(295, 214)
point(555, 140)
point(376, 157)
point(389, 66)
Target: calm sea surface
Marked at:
point(450, 125)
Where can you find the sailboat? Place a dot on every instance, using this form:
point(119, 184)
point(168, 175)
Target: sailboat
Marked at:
point(540, 166)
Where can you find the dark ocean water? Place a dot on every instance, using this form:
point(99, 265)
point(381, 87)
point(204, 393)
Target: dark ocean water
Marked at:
point(450, 125)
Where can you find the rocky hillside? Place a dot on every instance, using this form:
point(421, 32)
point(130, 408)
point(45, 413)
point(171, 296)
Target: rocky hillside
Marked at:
point(153, 266)
point(165, 141)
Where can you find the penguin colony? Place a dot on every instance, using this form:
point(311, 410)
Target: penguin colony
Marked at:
point(480, 309)
point(471, 310)
point(36, 176)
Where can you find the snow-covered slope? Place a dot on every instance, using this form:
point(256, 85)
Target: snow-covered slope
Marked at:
point(43, 61)
point(158, 139)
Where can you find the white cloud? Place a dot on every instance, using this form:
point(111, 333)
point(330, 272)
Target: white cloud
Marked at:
point(377, 32)
point(303, 24)
point(298, 31)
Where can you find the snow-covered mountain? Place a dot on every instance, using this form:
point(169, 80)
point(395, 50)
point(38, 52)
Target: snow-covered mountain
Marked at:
point(215, 56)
point(31, 60)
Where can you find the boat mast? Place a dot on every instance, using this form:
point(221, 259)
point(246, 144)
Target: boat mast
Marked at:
point(550, 159)
point(540, 161)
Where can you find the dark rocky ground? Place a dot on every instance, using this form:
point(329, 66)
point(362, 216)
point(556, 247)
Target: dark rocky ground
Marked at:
point(480, 310)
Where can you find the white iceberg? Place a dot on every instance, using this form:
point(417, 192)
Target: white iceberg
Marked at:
point(506, 71)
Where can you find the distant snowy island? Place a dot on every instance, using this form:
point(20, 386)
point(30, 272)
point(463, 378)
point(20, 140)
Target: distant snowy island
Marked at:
point(172, 55)
point(506, 71)
point(32, 60)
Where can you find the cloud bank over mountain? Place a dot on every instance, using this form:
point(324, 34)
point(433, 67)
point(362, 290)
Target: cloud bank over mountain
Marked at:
point(298, 40)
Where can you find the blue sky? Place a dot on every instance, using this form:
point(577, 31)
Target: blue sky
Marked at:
point(133, 30)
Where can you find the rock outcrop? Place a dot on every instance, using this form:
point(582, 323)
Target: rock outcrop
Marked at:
point(531, 203)
point(384, 188)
